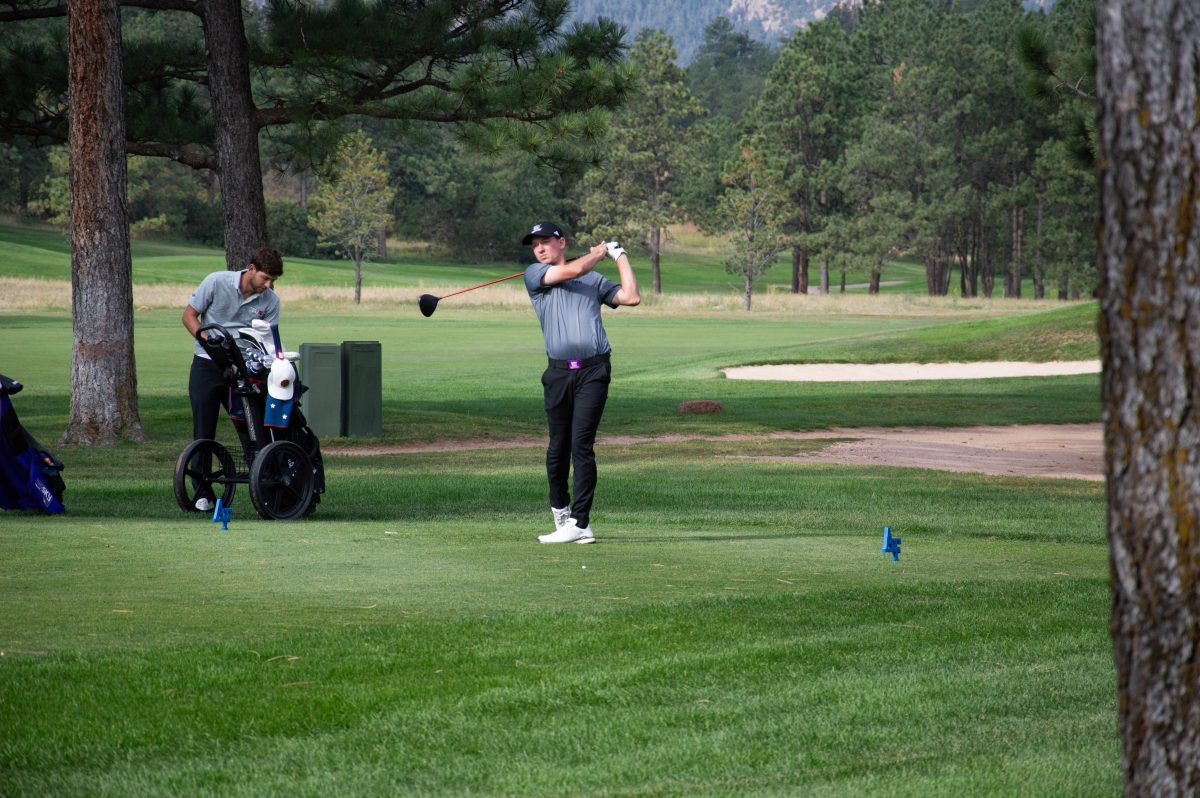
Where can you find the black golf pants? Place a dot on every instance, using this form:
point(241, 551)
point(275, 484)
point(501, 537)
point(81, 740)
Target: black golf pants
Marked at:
point(208, 392)
point(574, 404)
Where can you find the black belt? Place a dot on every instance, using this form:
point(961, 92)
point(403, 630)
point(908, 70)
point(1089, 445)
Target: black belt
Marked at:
point(572, 365)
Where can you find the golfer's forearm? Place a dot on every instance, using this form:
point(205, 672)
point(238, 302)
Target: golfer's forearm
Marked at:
point(628, 295)
point(588, 262)
point(191, 321)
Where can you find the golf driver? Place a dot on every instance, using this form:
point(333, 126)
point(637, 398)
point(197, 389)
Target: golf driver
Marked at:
point(428, 302)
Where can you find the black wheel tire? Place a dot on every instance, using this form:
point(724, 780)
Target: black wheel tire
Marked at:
point(191, 483)
point(281, 481)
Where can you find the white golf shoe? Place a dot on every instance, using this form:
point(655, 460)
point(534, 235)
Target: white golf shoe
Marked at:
point(203, 504)
point(570, 532)
point(561, 517)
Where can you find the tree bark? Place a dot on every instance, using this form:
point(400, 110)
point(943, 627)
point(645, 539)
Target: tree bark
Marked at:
point(1039, 276)
point(987, 270)
point(824, 275)
point(358, 261)
point(1012, 283)
point(103, 374)
point(655, 256)
point(1149, 156)
point(235, 131)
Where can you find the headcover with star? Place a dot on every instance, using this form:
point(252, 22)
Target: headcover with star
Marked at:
point(278, 412)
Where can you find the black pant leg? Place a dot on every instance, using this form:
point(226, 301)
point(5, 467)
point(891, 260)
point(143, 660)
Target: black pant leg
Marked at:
point(559, 401)
point(591, 394)
point(207, 391)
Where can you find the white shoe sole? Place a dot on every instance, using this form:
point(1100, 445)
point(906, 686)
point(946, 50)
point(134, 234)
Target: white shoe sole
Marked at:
point(588, 539)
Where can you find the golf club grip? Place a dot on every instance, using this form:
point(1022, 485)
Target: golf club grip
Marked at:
point(481, 285)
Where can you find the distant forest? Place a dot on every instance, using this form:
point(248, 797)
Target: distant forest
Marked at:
point(685, 20)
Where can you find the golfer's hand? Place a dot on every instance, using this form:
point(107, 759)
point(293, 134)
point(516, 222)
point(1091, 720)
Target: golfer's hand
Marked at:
point(615, 250)
point(600, 250)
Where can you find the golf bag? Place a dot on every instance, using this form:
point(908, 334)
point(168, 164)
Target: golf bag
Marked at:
point(30, 477)
point(281, 456)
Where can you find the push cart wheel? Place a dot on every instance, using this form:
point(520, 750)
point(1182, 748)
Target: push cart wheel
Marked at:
point(204, 469)
point(281, 481)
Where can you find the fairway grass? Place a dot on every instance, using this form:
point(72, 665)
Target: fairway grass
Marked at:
point(736, 630)
point(732, 632)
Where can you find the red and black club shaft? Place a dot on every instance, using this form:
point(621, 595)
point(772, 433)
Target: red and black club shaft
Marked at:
point(428, 302)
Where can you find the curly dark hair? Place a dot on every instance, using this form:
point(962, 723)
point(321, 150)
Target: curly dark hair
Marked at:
point(268, 260)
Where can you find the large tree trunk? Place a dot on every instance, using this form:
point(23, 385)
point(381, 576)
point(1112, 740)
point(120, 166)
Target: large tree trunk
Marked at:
point(1149, 156)
point(235, 131)
point(103, 376)
point(825, 275)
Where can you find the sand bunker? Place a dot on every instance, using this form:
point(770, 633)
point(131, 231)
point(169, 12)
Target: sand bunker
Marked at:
point(899, 372)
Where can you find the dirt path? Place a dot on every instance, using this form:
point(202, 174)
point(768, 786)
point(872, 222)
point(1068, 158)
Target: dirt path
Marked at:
point(1065, 451)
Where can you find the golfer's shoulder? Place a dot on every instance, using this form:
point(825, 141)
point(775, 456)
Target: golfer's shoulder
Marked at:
point(223, 278)
point(534, 273)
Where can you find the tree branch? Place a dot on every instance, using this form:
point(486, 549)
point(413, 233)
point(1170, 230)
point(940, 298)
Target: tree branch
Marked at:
point(59, 9)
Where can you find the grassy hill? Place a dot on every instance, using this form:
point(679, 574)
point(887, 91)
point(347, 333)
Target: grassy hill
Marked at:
point(692, 264)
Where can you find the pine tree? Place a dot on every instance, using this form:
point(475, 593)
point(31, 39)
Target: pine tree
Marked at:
point(1149, 123)
point(635, 190)
point(103, 375)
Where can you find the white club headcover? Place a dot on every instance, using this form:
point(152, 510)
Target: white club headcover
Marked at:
point(281, 382)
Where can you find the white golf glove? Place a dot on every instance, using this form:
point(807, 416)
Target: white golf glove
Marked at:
point(614, 250)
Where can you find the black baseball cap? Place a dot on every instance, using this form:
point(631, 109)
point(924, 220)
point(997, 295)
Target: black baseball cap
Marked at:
point(542, 230)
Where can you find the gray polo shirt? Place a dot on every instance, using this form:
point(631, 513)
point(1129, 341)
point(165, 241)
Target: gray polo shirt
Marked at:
point(569, 312)
point(218, 301)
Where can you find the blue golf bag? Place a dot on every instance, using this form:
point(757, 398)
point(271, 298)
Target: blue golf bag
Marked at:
point(30, 477)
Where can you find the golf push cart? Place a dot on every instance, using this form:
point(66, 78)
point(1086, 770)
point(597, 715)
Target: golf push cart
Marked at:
point(281, 457)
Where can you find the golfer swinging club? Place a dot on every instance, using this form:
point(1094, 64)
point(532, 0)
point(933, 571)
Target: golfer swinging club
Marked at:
point(566, 297)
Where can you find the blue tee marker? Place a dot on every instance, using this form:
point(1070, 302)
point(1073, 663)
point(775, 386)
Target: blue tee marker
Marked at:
point(222, 515)
point(891, 544)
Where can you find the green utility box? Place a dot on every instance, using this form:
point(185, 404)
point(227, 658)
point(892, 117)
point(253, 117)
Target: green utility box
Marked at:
point(321, 373)
point(362, 389)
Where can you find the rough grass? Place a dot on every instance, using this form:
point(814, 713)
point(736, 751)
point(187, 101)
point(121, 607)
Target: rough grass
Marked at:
point(35, 294)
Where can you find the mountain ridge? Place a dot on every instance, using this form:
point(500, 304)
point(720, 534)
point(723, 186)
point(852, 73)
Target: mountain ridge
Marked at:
point(769, 21)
